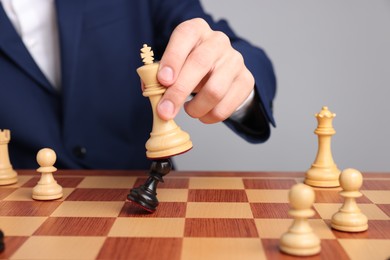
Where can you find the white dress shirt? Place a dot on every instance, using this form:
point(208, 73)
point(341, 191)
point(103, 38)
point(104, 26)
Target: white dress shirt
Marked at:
point(35, 21)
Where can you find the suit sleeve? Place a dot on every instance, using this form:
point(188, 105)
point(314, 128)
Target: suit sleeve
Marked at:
point(255, 127)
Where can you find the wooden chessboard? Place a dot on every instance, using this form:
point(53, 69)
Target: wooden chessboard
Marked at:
point(202, 215)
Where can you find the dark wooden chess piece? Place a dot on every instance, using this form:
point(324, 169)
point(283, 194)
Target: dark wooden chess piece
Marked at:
point(2, 246)
point(146, 195)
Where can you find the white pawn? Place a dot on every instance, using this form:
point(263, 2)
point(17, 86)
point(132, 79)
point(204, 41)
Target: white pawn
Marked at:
point(300, 240)
point(47, 188)
point(349, 218)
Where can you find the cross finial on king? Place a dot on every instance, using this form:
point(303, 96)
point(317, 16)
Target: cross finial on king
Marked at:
point(147, 55)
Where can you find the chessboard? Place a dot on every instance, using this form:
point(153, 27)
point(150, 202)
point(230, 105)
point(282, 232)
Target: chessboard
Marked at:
point(201, 215)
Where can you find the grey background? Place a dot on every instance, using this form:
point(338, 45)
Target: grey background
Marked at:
point(333, 53)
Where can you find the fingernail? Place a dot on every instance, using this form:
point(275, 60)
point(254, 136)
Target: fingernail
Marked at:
point(166, 108)
point(166, 74)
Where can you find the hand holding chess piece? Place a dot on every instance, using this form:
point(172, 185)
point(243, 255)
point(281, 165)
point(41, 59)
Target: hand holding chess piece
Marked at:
point(166, 139)
point(349, 218)
point(47, 188)
point(300, 239)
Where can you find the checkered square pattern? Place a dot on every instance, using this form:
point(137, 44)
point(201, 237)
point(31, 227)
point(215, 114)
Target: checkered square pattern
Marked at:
point(200, 216)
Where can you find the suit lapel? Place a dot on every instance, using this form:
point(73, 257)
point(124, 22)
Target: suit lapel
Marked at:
point(13, 47)
point(69, 15)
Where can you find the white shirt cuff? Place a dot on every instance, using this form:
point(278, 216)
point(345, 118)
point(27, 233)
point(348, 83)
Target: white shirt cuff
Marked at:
point(243, 108)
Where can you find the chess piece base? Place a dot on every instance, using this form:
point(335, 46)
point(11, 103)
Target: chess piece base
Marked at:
point(168, 144)
point(300, 244)
point(349, 222)
point(322, 177)
point(169, 152)
point(144, 198)
point(8, 176)
point(47, 192)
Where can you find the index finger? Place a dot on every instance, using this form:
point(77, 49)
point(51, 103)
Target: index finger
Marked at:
point(185, 38)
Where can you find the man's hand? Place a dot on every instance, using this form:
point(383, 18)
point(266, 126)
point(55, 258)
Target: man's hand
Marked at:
point(200, 60)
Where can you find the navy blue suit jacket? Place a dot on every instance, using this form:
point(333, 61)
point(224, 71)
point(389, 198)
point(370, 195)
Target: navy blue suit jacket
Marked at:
point(100, 119)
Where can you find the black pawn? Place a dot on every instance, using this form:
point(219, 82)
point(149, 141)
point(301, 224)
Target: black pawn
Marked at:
point(146, 195)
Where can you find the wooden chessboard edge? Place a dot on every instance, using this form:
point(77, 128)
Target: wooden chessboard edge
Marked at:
point(286, 174)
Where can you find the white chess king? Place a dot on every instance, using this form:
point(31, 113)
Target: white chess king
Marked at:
point(7, 174)
point(166, 138)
